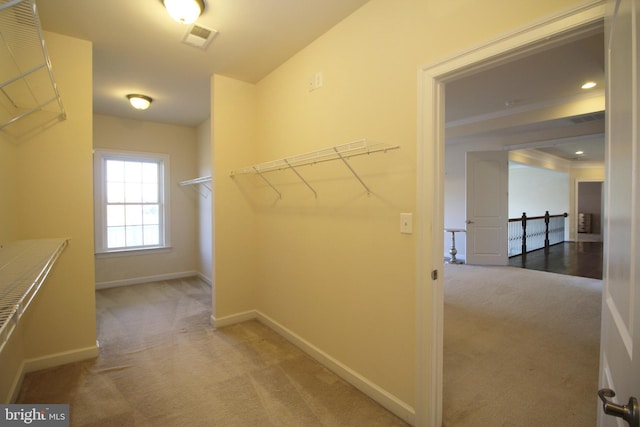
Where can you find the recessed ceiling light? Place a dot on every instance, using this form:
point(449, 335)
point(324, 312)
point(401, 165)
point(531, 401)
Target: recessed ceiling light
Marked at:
point(579, 152)
point(589, 85)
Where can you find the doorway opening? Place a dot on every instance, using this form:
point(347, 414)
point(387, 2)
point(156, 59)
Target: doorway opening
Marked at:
point(430, 175)
point(590, 207)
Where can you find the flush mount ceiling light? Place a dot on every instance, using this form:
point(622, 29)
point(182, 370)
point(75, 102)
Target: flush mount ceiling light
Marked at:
point(184, 11)
point(589, 85)
point(579, 152)
point(139, 102)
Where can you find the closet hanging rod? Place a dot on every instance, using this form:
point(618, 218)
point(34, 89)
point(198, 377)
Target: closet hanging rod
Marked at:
point(338, 152)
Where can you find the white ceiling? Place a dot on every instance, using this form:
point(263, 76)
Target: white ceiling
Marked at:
point(137, 47)
point(535, 102)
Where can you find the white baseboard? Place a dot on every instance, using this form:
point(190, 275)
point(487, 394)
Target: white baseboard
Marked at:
point(50, 361)
point(233, 319)
point(145, 279)
point(205, 279)
point(384, 398)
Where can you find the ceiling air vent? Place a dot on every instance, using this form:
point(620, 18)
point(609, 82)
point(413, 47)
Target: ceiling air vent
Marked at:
point(199, 36)
point(592, 117)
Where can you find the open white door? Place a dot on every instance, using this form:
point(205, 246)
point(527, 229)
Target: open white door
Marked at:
point(487, 207)
point(620, 340)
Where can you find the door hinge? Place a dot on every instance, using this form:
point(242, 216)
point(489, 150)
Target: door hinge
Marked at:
point(434, 275)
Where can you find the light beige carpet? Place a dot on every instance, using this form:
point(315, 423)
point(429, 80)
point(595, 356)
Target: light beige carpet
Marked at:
point(162, 364)
point(521, 348)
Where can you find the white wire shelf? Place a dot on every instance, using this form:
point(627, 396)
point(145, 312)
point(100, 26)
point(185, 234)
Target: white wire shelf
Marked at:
point(203, 181)
point(338, 152)
point(27, 86)
point(24, 266)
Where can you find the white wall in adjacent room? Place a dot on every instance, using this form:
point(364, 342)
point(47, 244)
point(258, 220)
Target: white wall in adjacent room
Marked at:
point(535, 190)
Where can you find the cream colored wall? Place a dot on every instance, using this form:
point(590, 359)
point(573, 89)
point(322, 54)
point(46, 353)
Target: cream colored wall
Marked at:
point(335, 270)
point(52, 196)
point(180, 143)
point(234, 143)
point(205, 205)
point(347, 273)
point(8, 190)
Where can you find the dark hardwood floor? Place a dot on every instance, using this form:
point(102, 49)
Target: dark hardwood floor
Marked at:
point(580, 258)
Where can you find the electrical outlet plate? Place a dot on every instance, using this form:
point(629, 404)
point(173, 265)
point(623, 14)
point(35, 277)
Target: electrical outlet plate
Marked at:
point(315, 81)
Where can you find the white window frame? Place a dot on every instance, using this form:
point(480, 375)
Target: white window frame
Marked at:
point(100, 156)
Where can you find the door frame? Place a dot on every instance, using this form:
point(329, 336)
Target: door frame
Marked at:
point(554, 30)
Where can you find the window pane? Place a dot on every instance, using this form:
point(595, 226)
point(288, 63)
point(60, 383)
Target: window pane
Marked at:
point(133, 171)
point(134, 235)
point(151, 214)
point(134, 215)
point(115, 215)
point(150, 193)
point(115, 171)
point(151, 235)
point(150, 172)
point(115, 237)
point(132, 192)
point(115, 192)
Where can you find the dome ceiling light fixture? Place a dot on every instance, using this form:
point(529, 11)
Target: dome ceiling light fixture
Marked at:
point(589, 85)
point(139, 102)
point(184, 11)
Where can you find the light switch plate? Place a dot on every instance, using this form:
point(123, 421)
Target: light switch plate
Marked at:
point(406, 223)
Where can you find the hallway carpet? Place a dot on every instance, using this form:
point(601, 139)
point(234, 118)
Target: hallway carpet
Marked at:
point(521, 348)
point(162, 364)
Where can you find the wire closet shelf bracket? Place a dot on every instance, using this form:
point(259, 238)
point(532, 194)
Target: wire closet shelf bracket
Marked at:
point(338, 152)
point(27, 85)
point(203, 181)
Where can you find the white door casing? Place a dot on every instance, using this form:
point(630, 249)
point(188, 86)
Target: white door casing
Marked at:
point(430, 183)
point(487, 207)
point(620, 336)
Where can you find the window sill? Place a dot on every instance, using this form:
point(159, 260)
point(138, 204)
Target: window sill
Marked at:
point(134, 252)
